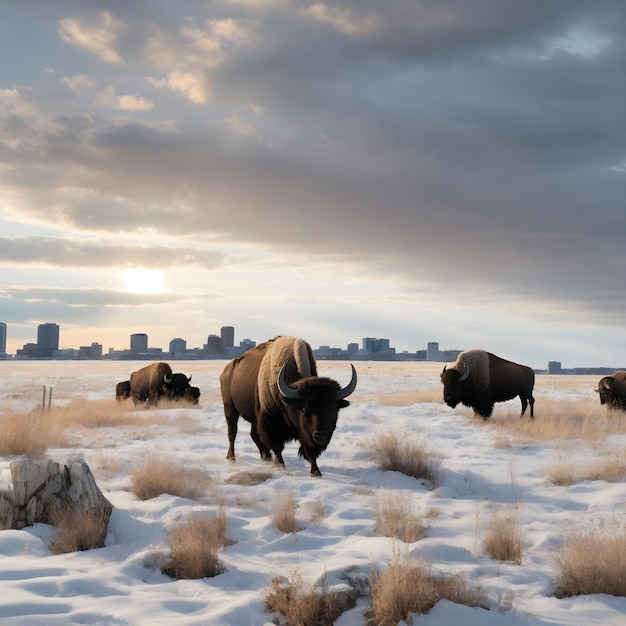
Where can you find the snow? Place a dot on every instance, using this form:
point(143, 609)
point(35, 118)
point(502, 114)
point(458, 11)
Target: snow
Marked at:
point(120, 584)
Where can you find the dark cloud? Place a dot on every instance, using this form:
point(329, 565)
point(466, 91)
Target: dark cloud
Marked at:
point(69, 253)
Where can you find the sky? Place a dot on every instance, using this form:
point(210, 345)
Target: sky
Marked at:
point(450, 171)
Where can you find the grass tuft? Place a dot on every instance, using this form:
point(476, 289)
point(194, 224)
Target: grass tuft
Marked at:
point(407, 587)
point(300, 602)
point(193, 548)
point(395, 517)
point(398, 453)
point(153, 476)
point(78, 530)
point(284, 508)
point(592, 562)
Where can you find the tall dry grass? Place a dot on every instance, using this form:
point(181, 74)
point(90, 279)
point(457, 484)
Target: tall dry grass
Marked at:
point(29, 434)
point(503, 538)
point(408, 587)
point(611, 467)
point(405, 454)
point(78, 530)
point(284, 512)
point(592, 562)
point(193, 547)
point(155, 474)
point(395, 516)
point(560, 419)
point(300, 602)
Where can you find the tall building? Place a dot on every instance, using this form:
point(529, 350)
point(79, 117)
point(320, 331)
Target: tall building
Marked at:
point(227, 333)
point(138, 343)
point(178, 347)
point(3, 338)
point(214, 345)
point(47, 339)
point(432, 351)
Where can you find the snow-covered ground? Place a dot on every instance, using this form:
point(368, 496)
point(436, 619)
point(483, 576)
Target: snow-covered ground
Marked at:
point(478, 476)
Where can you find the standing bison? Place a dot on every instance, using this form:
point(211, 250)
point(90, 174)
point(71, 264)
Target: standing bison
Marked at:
point(612, 390)
point(122, 390)
point(479, 379)
point(150, 383)
point(275, 387)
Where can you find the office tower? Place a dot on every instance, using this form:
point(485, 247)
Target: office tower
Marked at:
point(227, 333)
point(3, 338)
point(47, 339)
point(138, 343)
point(178, 346)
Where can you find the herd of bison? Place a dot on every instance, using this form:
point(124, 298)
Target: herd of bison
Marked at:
point(275, 387)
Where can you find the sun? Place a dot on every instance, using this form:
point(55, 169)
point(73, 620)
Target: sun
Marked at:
point(141, 280)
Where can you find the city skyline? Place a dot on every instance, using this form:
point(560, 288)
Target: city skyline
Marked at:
point(224, 346)
point(325, 169)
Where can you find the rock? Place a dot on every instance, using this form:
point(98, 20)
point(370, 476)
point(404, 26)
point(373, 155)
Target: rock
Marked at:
point(39, 486)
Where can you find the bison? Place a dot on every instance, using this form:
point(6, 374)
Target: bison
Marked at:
point(150, 383)
point(122, 390)
point(275, 387)
point(612, 390)
point(479, 379)
point(179, 389)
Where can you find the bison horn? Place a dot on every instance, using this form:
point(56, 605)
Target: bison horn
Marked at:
point(189, 379)
point(349, 388)
point(608, 382)
point(288, 392)
point(167, 379)
point(465, 373)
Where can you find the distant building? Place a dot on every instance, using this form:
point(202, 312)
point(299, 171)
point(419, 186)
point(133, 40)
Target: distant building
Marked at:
point(554, 367)
point(432, 351)
point(138, 343)
point(92, 352)
point(353, 349)
point(47, 339)
point(214, 345)
point(227, 334)
point(178, 347)
point(3, 338)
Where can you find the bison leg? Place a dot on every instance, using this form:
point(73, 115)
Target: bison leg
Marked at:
point(264, 451)
point(232, 417)
point(310, 454)
point(525, 402)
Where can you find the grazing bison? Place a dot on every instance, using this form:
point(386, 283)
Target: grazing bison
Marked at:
point(150, 383)
point(612, 390)
point(275, 387)
point(179, 388)
point(122, 390)
point(479, 379)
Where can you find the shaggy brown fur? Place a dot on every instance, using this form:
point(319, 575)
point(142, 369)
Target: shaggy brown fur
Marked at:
point(612, 390)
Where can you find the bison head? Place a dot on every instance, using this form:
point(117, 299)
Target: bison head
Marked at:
point(318, 400)
point(605, 389)
point(453, 380)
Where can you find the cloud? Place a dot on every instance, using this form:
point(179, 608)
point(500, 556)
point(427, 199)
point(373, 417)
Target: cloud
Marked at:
point(68, 253)
point(193, 84)
point(342, 20)
point(79, 83)
point(107, 98)
point(99, 36)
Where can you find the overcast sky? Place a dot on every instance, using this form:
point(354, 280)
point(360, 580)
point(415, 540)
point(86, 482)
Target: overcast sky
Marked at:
point(450, 171)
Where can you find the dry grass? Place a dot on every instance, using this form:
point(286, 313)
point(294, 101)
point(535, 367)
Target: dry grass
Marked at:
point(611, 468)
point(248, 479)
point(284, 508)
point(592, 562)
point(560, 419)
point(154, 475)
point(406, 587)
point(503, 538)
point(28, 434)
point(404, 398)
point(399, 453)
point(193, 548)
point(8, 510)
point(395, 518)
point(78, 530)
point(301, 603)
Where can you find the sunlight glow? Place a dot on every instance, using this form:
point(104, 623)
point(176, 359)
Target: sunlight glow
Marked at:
point(141, 280)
